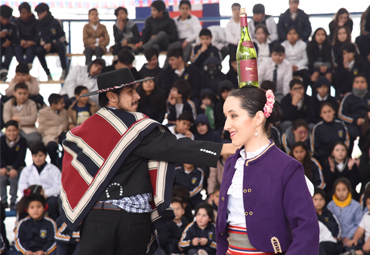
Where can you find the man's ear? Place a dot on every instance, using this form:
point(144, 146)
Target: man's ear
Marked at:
point(112, 97)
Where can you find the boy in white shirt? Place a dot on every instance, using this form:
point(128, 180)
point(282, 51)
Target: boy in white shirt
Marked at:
point(232, 29)
point(278, 70)
point(182, 127)
point(259, 17)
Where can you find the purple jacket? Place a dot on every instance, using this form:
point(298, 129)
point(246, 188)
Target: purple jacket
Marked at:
point(279, 211)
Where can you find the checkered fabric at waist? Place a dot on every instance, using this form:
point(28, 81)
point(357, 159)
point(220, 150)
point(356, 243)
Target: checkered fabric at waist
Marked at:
point(135, 204)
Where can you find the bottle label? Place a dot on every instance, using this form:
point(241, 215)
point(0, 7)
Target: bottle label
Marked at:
point(243, 21)
point(248, 70)
point(248, 44)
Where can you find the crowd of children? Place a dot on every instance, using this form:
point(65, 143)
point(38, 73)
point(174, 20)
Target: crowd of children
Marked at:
point(317, 130)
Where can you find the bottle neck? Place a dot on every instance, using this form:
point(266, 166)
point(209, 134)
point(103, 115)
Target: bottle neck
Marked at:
point(243, 21)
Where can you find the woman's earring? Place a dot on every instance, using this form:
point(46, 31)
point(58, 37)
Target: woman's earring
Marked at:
point(256, 134)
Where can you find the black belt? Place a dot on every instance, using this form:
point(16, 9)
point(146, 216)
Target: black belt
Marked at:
point(107, 206)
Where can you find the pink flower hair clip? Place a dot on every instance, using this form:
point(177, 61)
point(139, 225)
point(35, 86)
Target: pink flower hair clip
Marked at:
point(270, 101)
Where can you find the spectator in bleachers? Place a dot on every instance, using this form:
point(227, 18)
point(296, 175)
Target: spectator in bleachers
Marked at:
point(68, 241)
point(95, 37)
point(188, 27)
point(24, 111)
point(8, 39)
point(203, 130)
point(295, 53)
point(262, 43)
point(354, 106)
point(294, 17)
point(341, 19)
point(341, 37)
point(327, 132)
point(45, 174)
point(312, 168)
point(183, 193)
point(322, 89)
point(232, 74)
point(151, 69)
point(126, 33)
point(13, 153)
point(363, 40)
point(298, 132)
point(212, 73)
point(82, 75)
point(82, 108)
point(152, 103)
point(224, 89)
point(179, 70)
point(260, 18)
point(218, 40)
point(29, 35)
point(232, 29)
point(214, 199)
point(52, 39)
point(319, 55)
point(35, 234)
point(182, 127)
point(204, 50)
point(339, 165)
point(351, 65)
point(159, 29)
point(125, 60)
point(170, 234)
point(278, 70)
point(54, 123)
point(21, 211)
point(192, 177)
point(22, 75)
point(207, 105)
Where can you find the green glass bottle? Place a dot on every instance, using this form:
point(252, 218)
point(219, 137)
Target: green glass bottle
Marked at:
point(246, 55)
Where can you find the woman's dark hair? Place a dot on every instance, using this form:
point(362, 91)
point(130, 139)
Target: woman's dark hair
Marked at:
point(313, 46)
point(12, 123)
point(299, 123)
point(319, 191)
point(21, 205)
point(155, 98)
point(307, 164)
point(335, 37)
point(326, 104)
point(208, 208)
point(343, 180)
point(296, 29)
point(264, 28)
point(116, 11)
point(253, 100)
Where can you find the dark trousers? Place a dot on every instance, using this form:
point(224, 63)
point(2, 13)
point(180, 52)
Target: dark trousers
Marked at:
point(159, 41)
point(8, 54)
point(114, 232)
point(30, 53)
point(89, 52)
point(52, 148)
point(328, 248)
point(57, 47)
point(67, 249)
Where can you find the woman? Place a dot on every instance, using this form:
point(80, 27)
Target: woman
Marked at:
point(277, 206)
point(341, 19)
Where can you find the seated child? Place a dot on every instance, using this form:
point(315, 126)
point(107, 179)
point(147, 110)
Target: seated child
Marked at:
point(212, 73)
point(192, 177)
point(200, 234)
point(339, 165)
point(347, 210)
point(322, 95)
point(327, 132)
point(354, 106)
point(54, 123)
point(151, 68)
point(12, 155)
point(298, 132)
point(214, 199)
point(203, 130)
point(35, 233)
point(207, 105)
point(182, 193)
point(311, 166)
point(205, 50)
point(178, 101)
point(45, 174)
point(21, 211)
point(95, 37)
point(170, 234)
point(68, 241)
point(24, 111)
point(82, 108)
point(182, 127)
point(22, 75)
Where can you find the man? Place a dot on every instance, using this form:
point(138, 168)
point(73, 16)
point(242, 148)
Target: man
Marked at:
point(259, 17)
point(111, 179)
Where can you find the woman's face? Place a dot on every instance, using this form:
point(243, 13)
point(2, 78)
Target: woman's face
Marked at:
point(342, 35)
point(320, 36)
point(238, 123)
point(299, 153)
point(342, 19)
point(339, 152)
point(261, 36)
point(341, 191)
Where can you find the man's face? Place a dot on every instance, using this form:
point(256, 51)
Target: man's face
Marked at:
point(128, 99)
point(24, 14)
point(95, 69)
point(185, 11)
point(277, 58)
point(21, 95)
point(258, 17)
point(122, 15)
point(174, 62)
point(41, 15)
point(205, 40)
point(293, 6)
point(182, 126)
point(4, 21)
point(236, 11)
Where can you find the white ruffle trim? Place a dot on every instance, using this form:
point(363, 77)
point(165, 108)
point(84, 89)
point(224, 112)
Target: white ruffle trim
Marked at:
point(236, 187)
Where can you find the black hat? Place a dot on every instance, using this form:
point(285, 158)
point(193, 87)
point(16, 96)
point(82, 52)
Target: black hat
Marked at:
point(6, 11)
point(22, 68)
point(41, 8)
point(115, 79)
point(258, 8)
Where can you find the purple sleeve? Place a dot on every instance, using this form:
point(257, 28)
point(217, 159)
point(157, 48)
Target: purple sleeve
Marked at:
point(222, 243)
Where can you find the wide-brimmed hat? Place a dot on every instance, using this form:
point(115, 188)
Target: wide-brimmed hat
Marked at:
point(115, 79)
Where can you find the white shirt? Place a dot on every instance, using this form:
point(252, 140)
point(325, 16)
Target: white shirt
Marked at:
point(296, 54)
point(178, 135)
point(188, 29)
point(365, 224)
point(271, 28)
point(325, 234)
point(284, 74)
point(232, 32)
point(263, 51)
point(235, 205)
point(49, 179)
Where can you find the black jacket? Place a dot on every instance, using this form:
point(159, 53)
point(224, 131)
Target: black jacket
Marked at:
point(193, 181)
point(13, 155)
point(12, 34)
point(154, 106)
point(130, 32)
point(197, 57)
point(315, 54)
point(363, 44)
point(353, 108)
point(192, 230)
point(145, 72)
point(316, 104)
point(330, 221)
point(51, 30)
point(29, 30)
point(291, 112)
point(170, 234)
point(172, 114)
point(154, 25)
point(301, 21)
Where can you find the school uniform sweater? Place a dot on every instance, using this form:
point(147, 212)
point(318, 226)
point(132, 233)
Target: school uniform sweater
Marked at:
point(13, 153)
point(315, 53)
point(317, 101)
point(193, 180)
point(193, 230)
point(64, 235)
point(173, 113)
point(170, 234)
point(317, 177)
point(301, 21)
point(32, 235)
point(330, 221)
point(353, 108)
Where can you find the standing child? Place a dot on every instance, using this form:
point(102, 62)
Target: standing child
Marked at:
point(199, 236)
point(82, 108)
point(35, 233)
point(54, 123)
point(347, 210)
point(13, 153)
point(95, 37)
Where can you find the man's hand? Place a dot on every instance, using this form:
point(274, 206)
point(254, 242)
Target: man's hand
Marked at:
point(124, 43)
point(16, 118)
point(3, 172)
point(204, 48)
point(323, 69)
point(3, 34)
point(295, 68)
point(29, 44)
point(7, 43)
point(13, 173)
point(184, 44)
point(195, 241)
